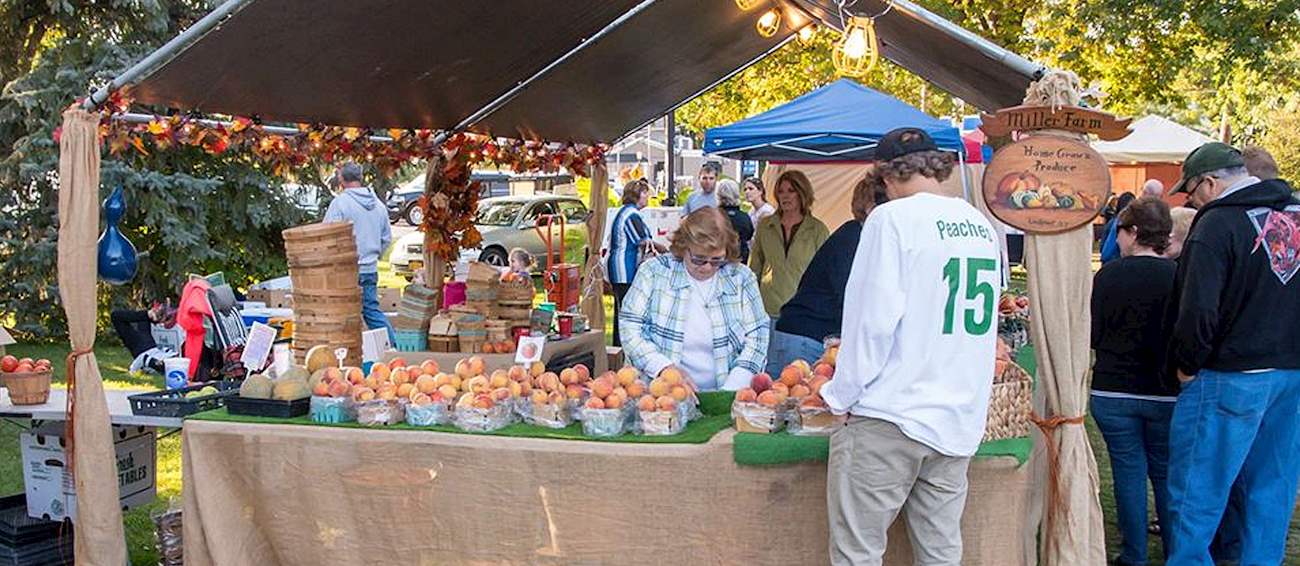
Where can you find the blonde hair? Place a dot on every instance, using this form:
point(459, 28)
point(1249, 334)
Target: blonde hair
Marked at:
point(1182, 217)
point(522, 255)
point(801, 185)
point(706, 228)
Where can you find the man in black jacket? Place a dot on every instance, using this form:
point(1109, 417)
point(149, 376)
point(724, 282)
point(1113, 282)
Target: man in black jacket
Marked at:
point(1236, 350)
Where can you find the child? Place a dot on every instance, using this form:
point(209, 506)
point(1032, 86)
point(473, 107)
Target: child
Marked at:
point(521, 264)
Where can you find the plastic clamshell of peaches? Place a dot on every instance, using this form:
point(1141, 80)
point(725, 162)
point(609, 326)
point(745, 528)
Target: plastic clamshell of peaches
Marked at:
point(793, 399)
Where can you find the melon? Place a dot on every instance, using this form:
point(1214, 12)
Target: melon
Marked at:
point(316, 377)
point(257, 386)
point(320, 357)
point(290, 390)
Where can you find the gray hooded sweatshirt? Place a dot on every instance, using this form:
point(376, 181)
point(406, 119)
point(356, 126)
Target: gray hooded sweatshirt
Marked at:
point(369, 219)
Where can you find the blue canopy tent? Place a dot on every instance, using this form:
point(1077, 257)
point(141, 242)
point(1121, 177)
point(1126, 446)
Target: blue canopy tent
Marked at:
point(841, 121)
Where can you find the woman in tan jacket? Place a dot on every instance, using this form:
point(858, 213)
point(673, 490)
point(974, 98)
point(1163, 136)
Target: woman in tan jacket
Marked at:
point(785, 242)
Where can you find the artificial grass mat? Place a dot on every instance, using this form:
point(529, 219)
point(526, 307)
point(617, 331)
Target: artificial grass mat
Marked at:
point(716, 407)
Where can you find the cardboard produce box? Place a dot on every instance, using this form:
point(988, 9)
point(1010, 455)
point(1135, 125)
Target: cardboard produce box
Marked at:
point(51, 494)
point(272, 298)
point(389, 299)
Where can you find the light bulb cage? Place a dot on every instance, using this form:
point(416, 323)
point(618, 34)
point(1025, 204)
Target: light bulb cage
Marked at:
point(768, 23)
point(856, 66)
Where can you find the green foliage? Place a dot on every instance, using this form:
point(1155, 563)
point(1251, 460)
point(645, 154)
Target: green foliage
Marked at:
point(188, 212)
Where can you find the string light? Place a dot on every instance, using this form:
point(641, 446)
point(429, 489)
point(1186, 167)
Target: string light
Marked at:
point(769, 23)
point(748, 4)
point(857, 51)
point(807, 33)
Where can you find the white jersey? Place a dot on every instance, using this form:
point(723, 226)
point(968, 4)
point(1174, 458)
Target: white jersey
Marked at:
point(920, 322)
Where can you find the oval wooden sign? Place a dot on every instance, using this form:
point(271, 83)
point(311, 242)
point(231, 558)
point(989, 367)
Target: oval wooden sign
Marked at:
point(1045, 184)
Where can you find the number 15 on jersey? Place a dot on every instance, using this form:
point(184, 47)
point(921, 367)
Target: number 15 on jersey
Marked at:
point(977, 317)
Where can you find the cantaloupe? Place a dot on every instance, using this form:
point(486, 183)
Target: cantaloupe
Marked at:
point(290, 390)
point(295, 373)
point(320, 357)
point(256, 386)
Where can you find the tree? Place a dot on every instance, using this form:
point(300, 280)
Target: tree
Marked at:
point(188, 212)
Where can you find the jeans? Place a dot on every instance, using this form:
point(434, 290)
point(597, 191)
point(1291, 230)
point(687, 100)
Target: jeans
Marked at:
point(620, 291)
point(1234, 427)
point(784, 348)
point(1137, 438)
point(370, 311)
point(134, 328)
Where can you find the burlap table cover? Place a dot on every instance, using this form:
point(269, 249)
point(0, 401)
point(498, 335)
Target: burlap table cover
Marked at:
point(280, 494)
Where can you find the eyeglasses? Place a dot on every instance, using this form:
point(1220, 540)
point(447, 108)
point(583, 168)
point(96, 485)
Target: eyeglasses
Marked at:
point(698, 261)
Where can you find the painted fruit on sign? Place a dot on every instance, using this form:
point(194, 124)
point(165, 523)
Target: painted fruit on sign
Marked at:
point(1046, 184)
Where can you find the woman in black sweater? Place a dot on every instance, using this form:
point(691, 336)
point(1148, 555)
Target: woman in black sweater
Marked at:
point(1131, 402)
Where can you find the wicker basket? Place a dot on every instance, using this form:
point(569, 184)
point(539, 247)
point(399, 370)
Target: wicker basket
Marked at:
point(30, 388)
point(1010, 405)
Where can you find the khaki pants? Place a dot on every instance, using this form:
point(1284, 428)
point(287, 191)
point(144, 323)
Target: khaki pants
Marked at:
point(875, 471)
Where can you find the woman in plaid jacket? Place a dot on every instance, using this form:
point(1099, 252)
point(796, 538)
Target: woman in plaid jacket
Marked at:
point(697, 309)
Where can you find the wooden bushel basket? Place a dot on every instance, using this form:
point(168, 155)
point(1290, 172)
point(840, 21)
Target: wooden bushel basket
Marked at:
point(29, 388)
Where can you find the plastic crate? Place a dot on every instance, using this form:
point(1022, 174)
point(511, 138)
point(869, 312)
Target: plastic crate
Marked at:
point(411, 340)
point(268, 407)
point(172, 403)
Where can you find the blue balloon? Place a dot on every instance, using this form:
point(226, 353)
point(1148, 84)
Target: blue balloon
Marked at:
point(117, 257)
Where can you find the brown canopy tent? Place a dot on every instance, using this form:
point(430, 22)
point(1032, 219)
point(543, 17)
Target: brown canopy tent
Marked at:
point(548, 69)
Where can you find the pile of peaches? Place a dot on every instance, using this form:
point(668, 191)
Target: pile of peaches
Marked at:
point(798, 384)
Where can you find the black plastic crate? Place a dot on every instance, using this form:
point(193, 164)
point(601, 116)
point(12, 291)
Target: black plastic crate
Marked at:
point(172, 402)
point(268, 407)
point(28, 541)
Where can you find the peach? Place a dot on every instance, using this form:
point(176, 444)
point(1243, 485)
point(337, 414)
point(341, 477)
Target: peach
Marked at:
point(626, 375)
point(478, 384)
point(760, 382)
point(555, 398)
point(549, 382)
point(671, 375)
point(477, 365)
point(354, 375)
point(339, 388)
point(781, 388)
point(768, 399)
point(465, 401)
point(817, 383)
point(781, 396)
point(333, 374)
point(421, 400)
point(601, 389)
point(515, 389)
point(517, 373)
point(646, 403)
point(499, 378)
point(321, 389)
point(666, 403)
point(525, 387)
point(448, 391)
point(380, 370)
point(803, 366)
point(489, 348)
point(568, 376)
point(790, 375)
point(539, 397)
point(429, 367)
point(573, 391)
point(387, 392)
point(398, 362)
point(595, 403)
point(680, 392)
point(823, 369)
point(536, 369)
point(483, 401)
point(659, 387)
point(635, 389)
point(584, 373)
point(440, 379)
point(362, 394)
point(614, 402)
point(831, 355)
point(813, 400)
point(455, 381)
point(372, 382)
point(405, 389)
point(426, 384)
point(400, 376)
point(746, 395)
point(800, 391)
point(500, 394)
point(463, 370)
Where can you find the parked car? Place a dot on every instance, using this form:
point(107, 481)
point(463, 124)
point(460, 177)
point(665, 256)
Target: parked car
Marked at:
point(401, 202)
point(505, 223)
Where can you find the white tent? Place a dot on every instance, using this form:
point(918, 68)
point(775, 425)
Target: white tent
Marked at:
point(1155, 139)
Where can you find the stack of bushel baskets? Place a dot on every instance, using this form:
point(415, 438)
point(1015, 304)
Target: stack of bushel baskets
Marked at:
point(27, 541)
point(326, 296)
point(418, 305)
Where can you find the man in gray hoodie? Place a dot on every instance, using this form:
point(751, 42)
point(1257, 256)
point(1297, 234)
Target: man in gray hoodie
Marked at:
point(357, 204)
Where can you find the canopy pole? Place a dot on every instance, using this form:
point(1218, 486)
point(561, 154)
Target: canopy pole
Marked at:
point(670, 156)
point(165, 53)
point(523, 85)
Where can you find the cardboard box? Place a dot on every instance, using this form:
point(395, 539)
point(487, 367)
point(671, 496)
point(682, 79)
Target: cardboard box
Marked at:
point(272, 298)
point(51, 494)
point(389, 299)
point(615, 356)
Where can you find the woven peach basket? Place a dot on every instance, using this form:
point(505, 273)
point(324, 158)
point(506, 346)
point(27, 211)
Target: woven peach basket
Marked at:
point(1010, 405)
point(31, 388)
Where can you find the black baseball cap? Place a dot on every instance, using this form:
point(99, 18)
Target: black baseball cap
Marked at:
point(902, 141)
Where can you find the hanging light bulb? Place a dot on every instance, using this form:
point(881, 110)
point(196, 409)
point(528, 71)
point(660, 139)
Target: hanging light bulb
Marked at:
point(807, 33)
point(748, 4)
point(769, 23)
point(857, 51)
